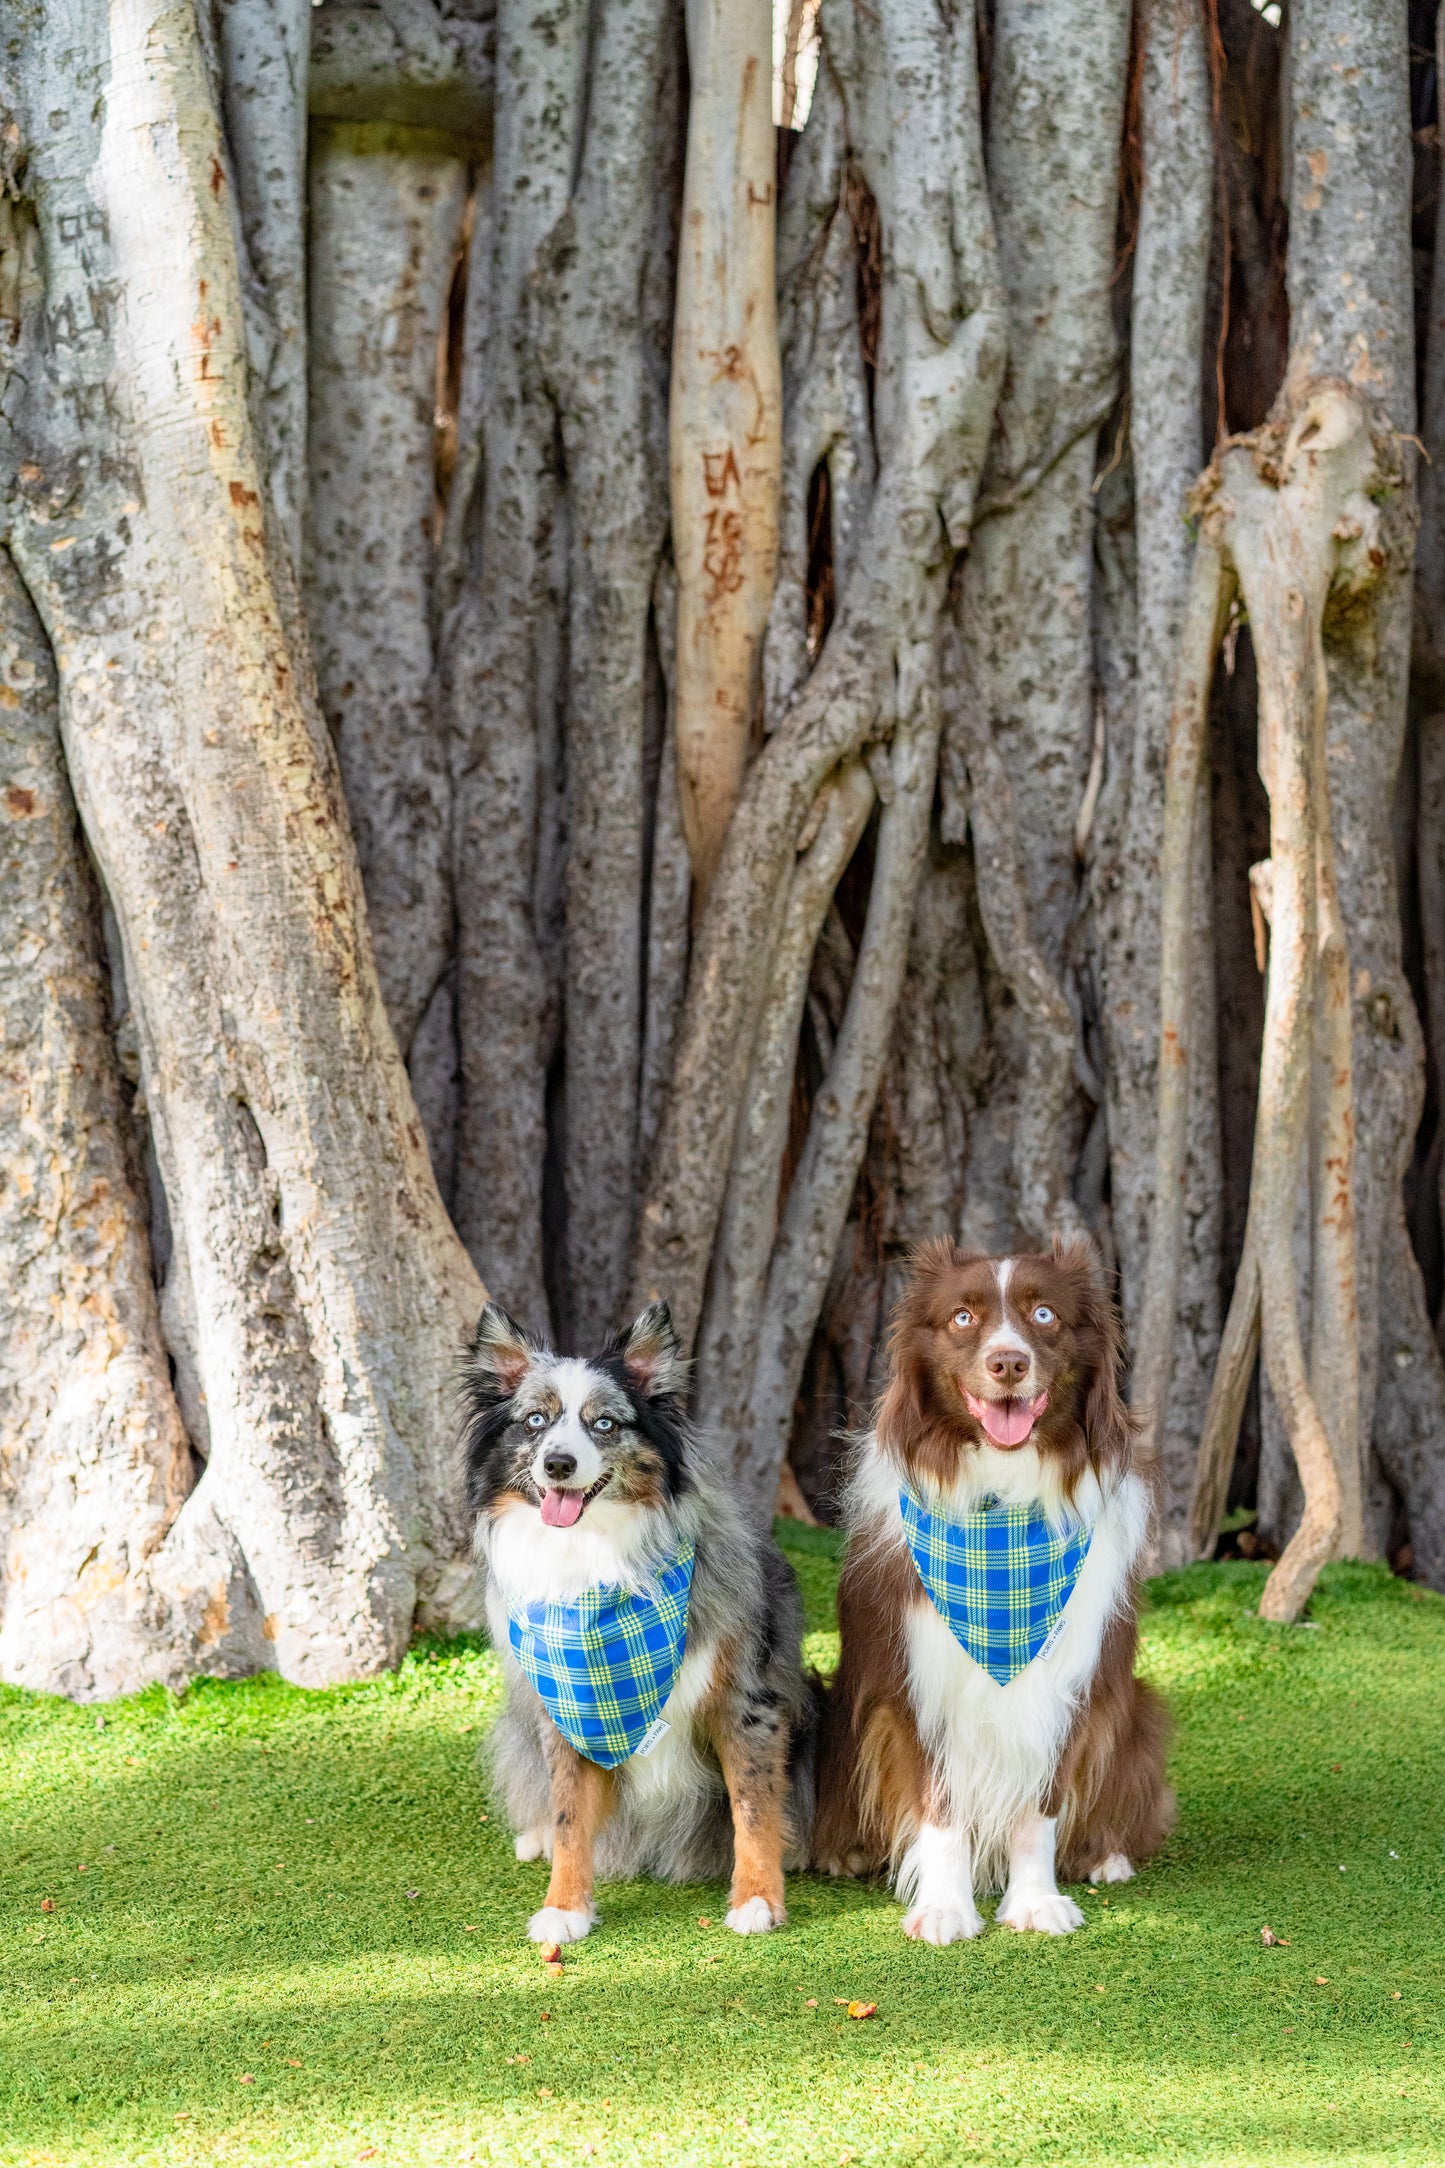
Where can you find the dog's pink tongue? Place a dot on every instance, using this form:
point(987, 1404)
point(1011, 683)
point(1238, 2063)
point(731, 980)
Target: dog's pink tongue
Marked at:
point(1008, 1422)
point(561, 1508)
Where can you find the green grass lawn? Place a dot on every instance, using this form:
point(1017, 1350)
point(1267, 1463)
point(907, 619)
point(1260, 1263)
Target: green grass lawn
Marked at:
point(298, 1937)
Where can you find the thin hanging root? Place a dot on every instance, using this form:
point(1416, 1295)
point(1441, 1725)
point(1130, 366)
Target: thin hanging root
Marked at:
point(1334, 1323)
point(1238, 1348)
point(817, 1206)
point(1290, 510)
point(726, 1341)
point(1210, 591)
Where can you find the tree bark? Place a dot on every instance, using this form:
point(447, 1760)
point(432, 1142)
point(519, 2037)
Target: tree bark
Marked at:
point(1351, 302)
point(504, 668)
point(386, 216)
point(1026, 702)
point(265, 57)
point(1141, 872)
point(725, 414)
point(328, 1289)
point(94, 1463)
point(1180, 1057)
point(610, 270)
point(913, 91)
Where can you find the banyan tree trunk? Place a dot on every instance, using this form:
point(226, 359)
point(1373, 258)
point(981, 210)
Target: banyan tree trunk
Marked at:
point(1316, 517)
point(315, 1286)
point(575, 659)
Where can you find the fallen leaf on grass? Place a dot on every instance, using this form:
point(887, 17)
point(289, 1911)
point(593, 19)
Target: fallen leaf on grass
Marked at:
point(544, 2092)
point(293, 2062)
point(82, 1868)
point(470, 1930)
point(47, 1904)
point(183, 2117)
point(413, 1893)
point(704, 1921)
point(368, 2152)
point(1100, 1989)
point(246, 2078)
point(546, 2016)
point(1394, 1994)
point(1320, 1980)
point(811, 2003)
point(862, 2009)
point(1272, 1941)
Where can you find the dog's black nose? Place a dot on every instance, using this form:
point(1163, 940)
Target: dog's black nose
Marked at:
point(559, 1466)
point(1008, 1365)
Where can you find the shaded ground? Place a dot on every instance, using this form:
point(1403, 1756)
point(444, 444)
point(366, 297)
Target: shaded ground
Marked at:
point(244, 1914)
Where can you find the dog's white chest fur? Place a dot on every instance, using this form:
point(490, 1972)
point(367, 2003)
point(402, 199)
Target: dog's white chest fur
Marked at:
point(994, 1748)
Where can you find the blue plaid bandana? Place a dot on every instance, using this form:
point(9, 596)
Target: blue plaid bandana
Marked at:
point(605, 1665)
point(1000, 1577)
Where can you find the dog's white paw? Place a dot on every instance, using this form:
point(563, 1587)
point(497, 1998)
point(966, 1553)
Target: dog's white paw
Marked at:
point(1045, 1912)
point(756, 1917)
point(530, 1843)
point(552, 1924)
point(1116, 1868)
point(942, 1924)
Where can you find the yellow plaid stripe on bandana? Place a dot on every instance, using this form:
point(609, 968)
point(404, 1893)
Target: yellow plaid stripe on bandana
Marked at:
point(605, 1665)
point(999, 1576)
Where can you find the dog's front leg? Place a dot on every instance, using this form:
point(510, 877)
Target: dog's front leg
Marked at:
point(754, 1765)
point(1033, 1898)
point(581, 1801)
point(937, 1873)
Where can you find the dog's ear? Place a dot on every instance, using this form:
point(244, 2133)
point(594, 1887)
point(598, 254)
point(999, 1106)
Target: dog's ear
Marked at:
point(1079, 1256)
point(652, 1355)
point(1109, 1428)
point(501, 1353)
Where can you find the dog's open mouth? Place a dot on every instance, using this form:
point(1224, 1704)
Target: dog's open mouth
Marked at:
point(1007, 1422)
point(564, 1508)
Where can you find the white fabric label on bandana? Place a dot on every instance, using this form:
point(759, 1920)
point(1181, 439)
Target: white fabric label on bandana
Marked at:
point(654, 1735)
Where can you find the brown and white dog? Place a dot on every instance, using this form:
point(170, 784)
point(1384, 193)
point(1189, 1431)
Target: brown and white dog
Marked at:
point(1004, 1382)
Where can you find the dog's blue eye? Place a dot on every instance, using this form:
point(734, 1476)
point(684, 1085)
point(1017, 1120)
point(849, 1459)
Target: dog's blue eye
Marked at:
point(604, 1422)
point(962, 1317)
point(1043, 1315)
point(536, 1422)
